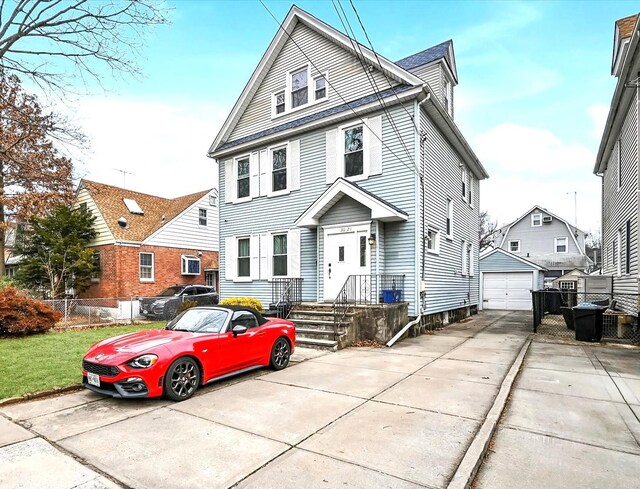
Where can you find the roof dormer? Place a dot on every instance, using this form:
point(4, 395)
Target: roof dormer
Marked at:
point(622, 36)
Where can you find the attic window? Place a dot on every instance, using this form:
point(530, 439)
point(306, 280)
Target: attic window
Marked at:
point(133, 206)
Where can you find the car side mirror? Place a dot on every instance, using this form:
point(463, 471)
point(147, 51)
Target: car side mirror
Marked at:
point(238, 329)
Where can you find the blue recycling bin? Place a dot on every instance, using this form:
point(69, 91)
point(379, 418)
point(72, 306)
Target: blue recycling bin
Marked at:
point(389, 296)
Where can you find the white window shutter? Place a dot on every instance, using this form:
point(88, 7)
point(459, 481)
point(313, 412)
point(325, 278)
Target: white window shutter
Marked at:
point(293, 253)
point(265, 188)
point(293, 164)
point(230, 257)
point(373, 145)
point(254, 246)
point(265, 239)
point(229, 182)
point(254, 172)
point(471, 256)
point(331, 155)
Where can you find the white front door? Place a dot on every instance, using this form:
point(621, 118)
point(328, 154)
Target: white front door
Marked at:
point(346, 252)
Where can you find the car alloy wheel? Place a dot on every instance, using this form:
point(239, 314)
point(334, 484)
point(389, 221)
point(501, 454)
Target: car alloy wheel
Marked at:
point(280, 354)
point(182, 379)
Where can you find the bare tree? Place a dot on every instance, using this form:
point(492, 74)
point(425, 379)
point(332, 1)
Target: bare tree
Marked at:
point(34, 176)
point(487, 230)
point(53, 42)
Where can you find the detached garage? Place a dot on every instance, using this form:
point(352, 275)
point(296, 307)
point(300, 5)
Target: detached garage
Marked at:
point(506, 281)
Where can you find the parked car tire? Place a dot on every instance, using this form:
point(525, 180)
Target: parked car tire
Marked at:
point(170, 310)
point(182, 379)
point(280, 354)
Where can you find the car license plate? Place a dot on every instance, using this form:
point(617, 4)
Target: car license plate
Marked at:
point(93, 379)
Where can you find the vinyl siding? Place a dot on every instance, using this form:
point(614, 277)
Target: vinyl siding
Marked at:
point(345, 74)
point(620, 206)
point(184, 231)
point(498, 262)
point(264, 214)
point(433, 75)
point(104, 235)
point(539, 241)
point(446, 287)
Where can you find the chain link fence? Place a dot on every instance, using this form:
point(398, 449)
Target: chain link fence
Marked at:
point(553, 314)
point(96, 312)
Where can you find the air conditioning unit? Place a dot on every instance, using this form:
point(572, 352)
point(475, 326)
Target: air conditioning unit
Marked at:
point(547, 219)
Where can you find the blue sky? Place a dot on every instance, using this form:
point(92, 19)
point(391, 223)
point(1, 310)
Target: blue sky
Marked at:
point(534, 92)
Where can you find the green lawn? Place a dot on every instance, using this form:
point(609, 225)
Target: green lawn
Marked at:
point(46, 361)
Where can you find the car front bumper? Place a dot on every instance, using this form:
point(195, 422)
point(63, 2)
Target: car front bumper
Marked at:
point(125, 389)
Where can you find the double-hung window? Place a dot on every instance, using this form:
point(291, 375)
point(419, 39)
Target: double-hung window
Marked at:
point(279, 102)
point(433, 238)
point(536, 220)
point(146, 267)
point(202, 217)
point(514, 246)
point(299, 88)
point(353, 151)
point(464, 184)
point(279, 255)
point(279, 170)
point(320, 87)
point(244, 257)
point(95, 261)
point(561, 245)
point(244, 185)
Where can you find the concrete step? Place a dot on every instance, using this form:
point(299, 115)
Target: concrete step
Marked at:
point(318, 333)
point(319, 324)
point(317, 343)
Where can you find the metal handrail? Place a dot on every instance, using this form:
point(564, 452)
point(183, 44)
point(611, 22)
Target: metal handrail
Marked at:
point(292, 299)
point(366, 289)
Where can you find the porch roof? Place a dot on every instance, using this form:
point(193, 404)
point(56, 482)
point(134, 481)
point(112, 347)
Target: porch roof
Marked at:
point(380, 209)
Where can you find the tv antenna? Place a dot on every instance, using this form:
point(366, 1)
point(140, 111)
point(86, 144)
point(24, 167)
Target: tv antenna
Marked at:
point(124, 176)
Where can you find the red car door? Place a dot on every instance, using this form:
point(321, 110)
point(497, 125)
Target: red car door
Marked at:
point(243, 350)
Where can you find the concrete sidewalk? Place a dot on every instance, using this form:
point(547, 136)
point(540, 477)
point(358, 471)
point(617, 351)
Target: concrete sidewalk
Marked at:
point(573, 421)
point(391, 417)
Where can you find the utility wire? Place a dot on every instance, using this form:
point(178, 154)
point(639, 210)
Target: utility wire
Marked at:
point(415, 125)
point(334, 88)
point(370, 78)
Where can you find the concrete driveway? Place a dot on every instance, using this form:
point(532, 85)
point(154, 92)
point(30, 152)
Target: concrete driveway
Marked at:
point(413, 415)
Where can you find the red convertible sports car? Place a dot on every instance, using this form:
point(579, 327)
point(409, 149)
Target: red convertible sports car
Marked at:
point(200, 345)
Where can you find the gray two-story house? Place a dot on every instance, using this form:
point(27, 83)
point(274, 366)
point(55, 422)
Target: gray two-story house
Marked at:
point(537, 250)
point(336, 162)
point(617, 165)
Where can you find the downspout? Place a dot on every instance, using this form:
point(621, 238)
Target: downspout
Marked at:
point(423, 197)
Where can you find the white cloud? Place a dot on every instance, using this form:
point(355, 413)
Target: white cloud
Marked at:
point(598, 114)
point(524, 150)
point(530, 166)
point(162, 145)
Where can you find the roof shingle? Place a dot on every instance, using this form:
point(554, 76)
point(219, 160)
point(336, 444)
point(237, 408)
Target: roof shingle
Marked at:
point(427, 56)
point(158, 211)
point(626, 25)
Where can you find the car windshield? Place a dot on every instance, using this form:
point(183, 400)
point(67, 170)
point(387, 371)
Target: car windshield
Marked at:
point(200, 321)
point(170, 291)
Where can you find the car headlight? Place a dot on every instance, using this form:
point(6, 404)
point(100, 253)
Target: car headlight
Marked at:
point(144, 361)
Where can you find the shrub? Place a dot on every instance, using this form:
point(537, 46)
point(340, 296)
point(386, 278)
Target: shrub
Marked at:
point(243, 301)
point(21, 315)
point(6, 282)
point(186, 305)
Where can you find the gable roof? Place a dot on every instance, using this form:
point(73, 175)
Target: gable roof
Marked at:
point(572, 229)
point(621, 97)
point(486, 254)
point(625, 26)
point(380, 208)
point(442, 51)
point(295, 16)
point(157, 211)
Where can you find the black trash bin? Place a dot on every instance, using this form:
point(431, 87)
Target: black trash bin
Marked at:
point(552, 300)
point(567, 314)
point(587, 319)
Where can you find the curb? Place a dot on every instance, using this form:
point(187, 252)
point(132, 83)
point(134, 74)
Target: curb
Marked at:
point(473, 458)
point(40, 395)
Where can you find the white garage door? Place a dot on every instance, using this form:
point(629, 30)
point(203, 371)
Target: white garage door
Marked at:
point(510, 290)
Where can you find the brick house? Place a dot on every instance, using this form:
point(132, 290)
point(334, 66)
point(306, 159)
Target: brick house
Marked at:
point(146, 243)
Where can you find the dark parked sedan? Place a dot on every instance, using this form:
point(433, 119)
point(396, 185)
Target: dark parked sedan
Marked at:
point(166, 303)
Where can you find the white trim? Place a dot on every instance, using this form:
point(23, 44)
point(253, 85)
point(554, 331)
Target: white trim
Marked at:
point(533, 220)
point(342, 167)
point(274, 103)
point(236, 199)
point(324, 75)
point(464, 255)
point(359, 224)
point(184, 265)
point(450, 214)
point(619, 156)
point(379, 210)
point(294, 16)
point(619, 249)
point(436, 241)
point(270, 150)
point(514, 241)
point(555, 244)
point(236, 276)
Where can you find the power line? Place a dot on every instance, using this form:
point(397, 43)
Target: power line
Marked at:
point(370, 77)
point(333, 87)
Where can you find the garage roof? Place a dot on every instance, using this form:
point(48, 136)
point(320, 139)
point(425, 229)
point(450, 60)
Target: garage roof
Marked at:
point(499, 260)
